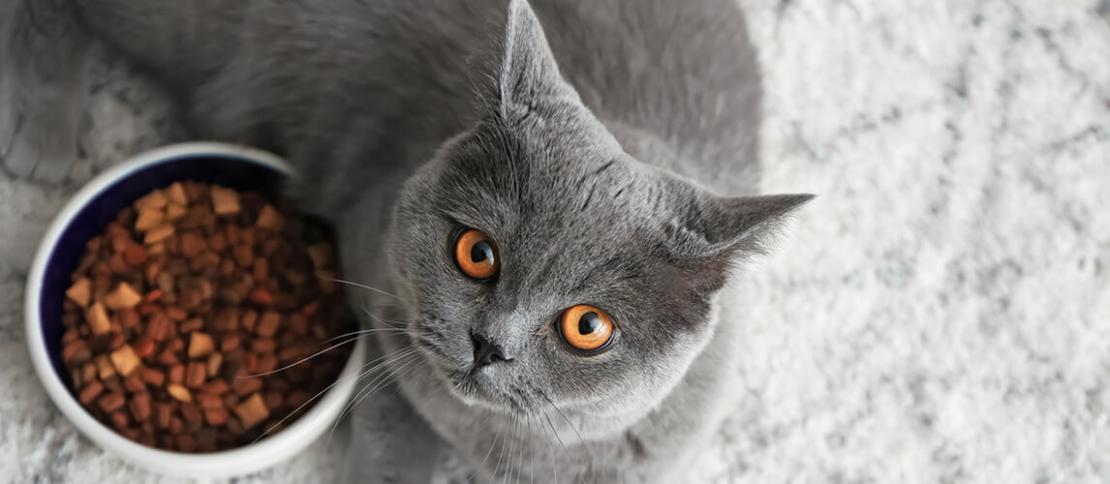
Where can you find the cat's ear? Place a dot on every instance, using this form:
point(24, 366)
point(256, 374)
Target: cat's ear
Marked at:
point(529, 76)
point(710, 233)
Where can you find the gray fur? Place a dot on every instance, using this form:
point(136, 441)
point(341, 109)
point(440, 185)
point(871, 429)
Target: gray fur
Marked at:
point(597, 157)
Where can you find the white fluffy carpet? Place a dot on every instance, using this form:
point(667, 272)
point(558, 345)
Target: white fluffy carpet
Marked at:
point(940, 314)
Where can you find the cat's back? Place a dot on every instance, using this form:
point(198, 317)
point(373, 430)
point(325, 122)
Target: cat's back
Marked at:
point(684, 72)
point(676, 80)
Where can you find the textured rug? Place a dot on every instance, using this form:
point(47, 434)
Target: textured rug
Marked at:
point(940, 314)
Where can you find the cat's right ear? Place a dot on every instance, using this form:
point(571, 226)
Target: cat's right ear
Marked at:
point(709, 234)
point(529, 77)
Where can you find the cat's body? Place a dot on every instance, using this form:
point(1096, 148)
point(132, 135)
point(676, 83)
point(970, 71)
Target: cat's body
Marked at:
point(360, 95)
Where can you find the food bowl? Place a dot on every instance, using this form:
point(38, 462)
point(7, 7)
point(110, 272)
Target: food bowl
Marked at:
point(85, 216)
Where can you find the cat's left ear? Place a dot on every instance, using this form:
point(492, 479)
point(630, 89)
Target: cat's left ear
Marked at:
point(529, 78)
point(710, 233)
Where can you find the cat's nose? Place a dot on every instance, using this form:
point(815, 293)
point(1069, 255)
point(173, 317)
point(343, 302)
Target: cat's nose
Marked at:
point(486, 351)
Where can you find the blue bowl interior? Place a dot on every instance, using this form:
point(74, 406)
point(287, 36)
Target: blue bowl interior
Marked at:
point(229, 171)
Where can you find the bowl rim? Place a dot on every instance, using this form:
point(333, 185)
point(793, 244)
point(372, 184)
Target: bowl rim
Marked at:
point(241, 460)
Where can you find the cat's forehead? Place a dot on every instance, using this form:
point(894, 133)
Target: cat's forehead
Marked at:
point(540, 184)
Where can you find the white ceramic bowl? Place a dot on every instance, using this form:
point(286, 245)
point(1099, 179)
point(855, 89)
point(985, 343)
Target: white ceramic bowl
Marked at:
point(85, 215)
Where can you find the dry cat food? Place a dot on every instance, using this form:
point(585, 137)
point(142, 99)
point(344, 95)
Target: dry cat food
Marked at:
point(180, 312)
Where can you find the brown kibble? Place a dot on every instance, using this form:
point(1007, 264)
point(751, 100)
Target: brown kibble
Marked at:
point(111, 402)
point(179, 393)
point(97, 318)
point(195, 324)
point(124, 360)
point(104, 367)
point(140, 406)
point(155, 199)
point(144, 347)
point(195, 374)
point(154, 377)
point(216, 416)
point(175, 193)
point(252, 411)
point(163, 415)
point(270, 219)
point(134, 382)
point(76, 352)
point(261, 269)
point(246, 385)
point(158, 234)
point(192, 244)
point(229, 343)
point(134, 255)
point(268, 324)
point(124, 296)
point(174, 212)
point(243, 255)
point(191, 414)
point(263, 345)
point(208, 401)
point(148, 219)
point(79, 291)
point(213, 365)
point(119, 421)
point(200, 344)
point(224, 201)
point(274, 400)
point(89, 392)
point(216, 387)
point(261, 296)
point(177, 374)
point(181, 311)
point(176, 314)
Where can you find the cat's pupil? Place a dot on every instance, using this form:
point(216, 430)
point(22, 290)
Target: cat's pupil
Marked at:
point(588, 323)
point(481, 251)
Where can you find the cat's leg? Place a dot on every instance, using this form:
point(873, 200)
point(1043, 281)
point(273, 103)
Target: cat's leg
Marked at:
point(389, 442)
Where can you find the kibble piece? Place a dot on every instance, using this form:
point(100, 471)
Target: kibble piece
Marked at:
point(215, 387)
point(200, 344)
point(176, 373)
point(111, 402)
point(208, 401)
point(76, 352)
point(175, 211)
point(89, 392)
point(79, 291)
point(270, 219)
point(124, 296)
point(213, 365)
point(154, 199)
point(124, 360)
point(246, 385)
point(195, 374)
point(97, 318)
point(179, 393)
point(140, 406)
point(224, 201)
point(268, 324)
point(104, 367)
point(216, 416)
point(163, 414)
point(154, 377)
point(148, 219)
point(158, 234)
point(252, 411)
point(175, 193)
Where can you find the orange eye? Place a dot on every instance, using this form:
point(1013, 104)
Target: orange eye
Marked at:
point(476, 255)
point(586, 328)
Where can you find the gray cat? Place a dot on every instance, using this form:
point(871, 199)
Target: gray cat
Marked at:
point(544, 223)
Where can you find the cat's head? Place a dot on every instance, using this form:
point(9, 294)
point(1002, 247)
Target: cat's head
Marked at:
point(546, 267)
